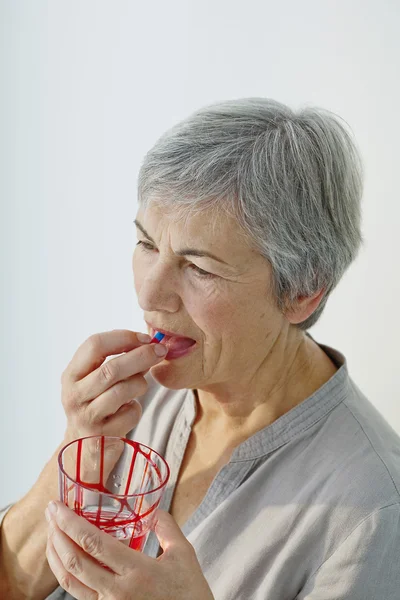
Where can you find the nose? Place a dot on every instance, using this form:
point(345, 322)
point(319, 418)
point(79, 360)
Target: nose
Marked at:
point(158, 290)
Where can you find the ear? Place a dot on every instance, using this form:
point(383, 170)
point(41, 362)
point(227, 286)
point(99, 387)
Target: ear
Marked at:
point(303, 307)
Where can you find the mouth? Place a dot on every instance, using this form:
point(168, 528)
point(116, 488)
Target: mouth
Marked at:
point(177, 344)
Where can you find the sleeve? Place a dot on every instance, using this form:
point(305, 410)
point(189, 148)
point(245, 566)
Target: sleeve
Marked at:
point(366, 566)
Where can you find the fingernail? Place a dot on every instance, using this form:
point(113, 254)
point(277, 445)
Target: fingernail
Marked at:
point(160, 350)
point(47, 515)
point(144, 338)
point(52, 507)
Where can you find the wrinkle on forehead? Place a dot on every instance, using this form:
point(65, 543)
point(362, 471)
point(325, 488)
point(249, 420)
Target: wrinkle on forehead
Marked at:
point(218, 215)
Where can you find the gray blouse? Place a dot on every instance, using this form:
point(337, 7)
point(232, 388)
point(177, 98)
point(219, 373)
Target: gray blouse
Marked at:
point(308, 508)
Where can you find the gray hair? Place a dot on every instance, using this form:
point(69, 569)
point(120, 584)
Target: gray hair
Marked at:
point(293, 180)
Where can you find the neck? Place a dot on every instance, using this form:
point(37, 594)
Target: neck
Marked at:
point(292, 369)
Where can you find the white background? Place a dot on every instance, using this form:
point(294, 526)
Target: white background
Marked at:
point(86, 88)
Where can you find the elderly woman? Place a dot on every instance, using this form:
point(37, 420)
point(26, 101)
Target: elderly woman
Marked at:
point(284, 478)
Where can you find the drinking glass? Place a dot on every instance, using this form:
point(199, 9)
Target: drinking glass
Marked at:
point(114, 483)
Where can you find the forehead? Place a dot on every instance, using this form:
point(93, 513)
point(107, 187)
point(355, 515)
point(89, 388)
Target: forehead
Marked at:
point(207, 228)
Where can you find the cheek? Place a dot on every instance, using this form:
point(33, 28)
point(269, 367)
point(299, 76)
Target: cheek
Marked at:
point(138, 271)
point(243, 315)
point(210, 311)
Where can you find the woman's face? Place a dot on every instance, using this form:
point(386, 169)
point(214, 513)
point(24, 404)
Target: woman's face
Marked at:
point(225, 305)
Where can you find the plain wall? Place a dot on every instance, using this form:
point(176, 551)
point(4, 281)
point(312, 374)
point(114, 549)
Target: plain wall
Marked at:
point(86, 88)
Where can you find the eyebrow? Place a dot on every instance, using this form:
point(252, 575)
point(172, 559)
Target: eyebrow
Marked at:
point(184, 251)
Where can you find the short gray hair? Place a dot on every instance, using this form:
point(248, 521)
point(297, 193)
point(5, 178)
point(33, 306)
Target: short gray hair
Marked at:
point(293, 180)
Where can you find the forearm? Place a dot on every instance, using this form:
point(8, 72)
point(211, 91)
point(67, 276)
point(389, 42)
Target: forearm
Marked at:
point(24, 571)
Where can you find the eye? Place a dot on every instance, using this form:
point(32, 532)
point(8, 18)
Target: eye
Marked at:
point(200, 272)
point(147, 247)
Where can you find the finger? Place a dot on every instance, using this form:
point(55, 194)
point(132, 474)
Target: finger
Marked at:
point(121, 394)
point(118, 369)
point(66, 580)
point(124, 420)
point(169, 533)
point(77, 563)
point(97, 544)
point(92, 353)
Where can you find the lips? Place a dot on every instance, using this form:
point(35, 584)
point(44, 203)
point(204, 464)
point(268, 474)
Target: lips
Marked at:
point(175, 342)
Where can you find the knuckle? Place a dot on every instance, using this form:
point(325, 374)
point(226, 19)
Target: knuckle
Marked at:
point(72, 563)
point(95, 422)
point(91, 416)
point(108, 372)
point(65, 582)
point(71, 398)
point(116, 392)
point(67, 374)
point(94, 343)
point(138, 576)
point(113, 400)
point(185, 552)
point(92, 544)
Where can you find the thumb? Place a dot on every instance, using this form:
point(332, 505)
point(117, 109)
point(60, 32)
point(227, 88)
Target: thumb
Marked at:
point(168, 531)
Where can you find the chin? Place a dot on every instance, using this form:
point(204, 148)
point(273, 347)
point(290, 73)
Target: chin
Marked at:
point(175, 379)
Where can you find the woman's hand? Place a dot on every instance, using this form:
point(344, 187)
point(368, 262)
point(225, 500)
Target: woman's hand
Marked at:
point(75, 547)
point(98, 396)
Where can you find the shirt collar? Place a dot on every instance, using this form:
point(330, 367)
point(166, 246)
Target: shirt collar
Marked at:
point(293, 422)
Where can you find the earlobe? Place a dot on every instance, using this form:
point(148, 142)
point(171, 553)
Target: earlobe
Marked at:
point(304, 307)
